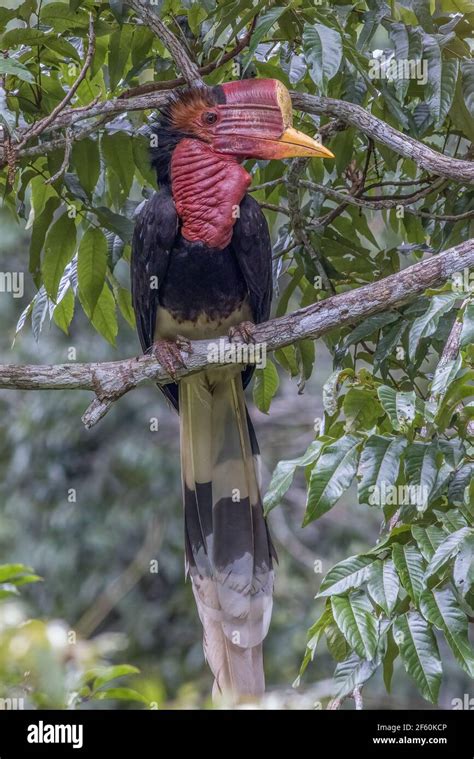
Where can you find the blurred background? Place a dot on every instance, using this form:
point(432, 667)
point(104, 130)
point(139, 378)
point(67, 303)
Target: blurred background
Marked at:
point(98, 515)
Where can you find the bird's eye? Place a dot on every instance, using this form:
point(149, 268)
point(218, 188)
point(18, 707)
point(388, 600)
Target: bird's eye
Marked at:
point(209, 117)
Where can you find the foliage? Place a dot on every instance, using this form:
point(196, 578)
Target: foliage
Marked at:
point(43, 665)
point(397, 417)
point(410, 455)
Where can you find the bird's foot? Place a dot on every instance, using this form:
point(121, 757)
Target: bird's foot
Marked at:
point(168, 353)
point(242, 333)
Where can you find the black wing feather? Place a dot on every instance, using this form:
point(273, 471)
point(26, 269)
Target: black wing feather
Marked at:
point(153, 239)
point(253, 248)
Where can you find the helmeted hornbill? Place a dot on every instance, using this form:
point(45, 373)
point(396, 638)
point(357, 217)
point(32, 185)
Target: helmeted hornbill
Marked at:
point(201, 266)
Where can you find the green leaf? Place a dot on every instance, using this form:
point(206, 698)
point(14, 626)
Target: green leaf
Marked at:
point(323, 51)
point(263, 27)
point(449, 548)
point(428, 539)
point(112, 673)
point(347, 574)
point(419, 653)
point(467, 70)
point(40, 194)
point(422, 10)
point(119, 50)
point(23, 36)
point(305, 355)
point(11, 67)
point(389, 341)
point(58, 250)
point(116, 7)
point(459, 114)
point(331, 388)
point(352, 673)
point(426, 324)
point(441, 608)
point(64, 311)
point(384, 585)
point(314, 634)
point(92, 266)
point(283, 474)
point(361, 409)
point(378, 468)
point(265, 386)
point(353, 615)
point(141, 156)
point(389, 658)
point(459, 390)
point(401, 407)
point(444, 375)
point(120, 694)
point(467, 332)
point(442, 77)
point(104, 319)
point(124, 302)
point(410, 566)
point(334, 473)
point(86, 159)
point(117, 223)
point(463, 573)
point(118, 155)
point(10, 572)
point(367, 328)
point(38, 234)
point(422, 471)
point(337, 645)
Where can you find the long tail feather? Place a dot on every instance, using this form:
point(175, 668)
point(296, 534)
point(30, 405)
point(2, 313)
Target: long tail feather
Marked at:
point(228, 547)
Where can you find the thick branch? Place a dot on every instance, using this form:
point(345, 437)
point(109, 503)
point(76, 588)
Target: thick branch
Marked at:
point(436, 163)
point(110, 380)
point(424, 156)
point(378, 130)
point(184, 64)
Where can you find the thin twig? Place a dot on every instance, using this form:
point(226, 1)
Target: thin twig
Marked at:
point(298, 223)
point(67, 155)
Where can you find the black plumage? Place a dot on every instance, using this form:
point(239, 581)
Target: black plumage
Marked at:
point(192, 279)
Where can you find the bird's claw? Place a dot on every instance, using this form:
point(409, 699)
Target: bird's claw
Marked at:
point(242, 333)
point(168, 353)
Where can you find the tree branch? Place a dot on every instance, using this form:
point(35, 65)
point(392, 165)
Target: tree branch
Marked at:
point(110, 380)
point(436, 163)
point(207, 68)
point(378, 130)
point(183, 63)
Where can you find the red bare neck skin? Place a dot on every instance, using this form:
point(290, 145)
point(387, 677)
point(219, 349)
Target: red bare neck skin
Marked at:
point(207, 189)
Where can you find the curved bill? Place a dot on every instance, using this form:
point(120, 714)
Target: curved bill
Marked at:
point(293, 143)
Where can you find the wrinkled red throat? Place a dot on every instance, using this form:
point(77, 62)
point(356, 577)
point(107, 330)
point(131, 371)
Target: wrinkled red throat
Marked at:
point(207, 190)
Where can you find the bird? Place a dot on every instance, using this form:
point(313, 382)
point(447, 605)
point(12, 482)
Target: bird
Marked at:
point(201, 268)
